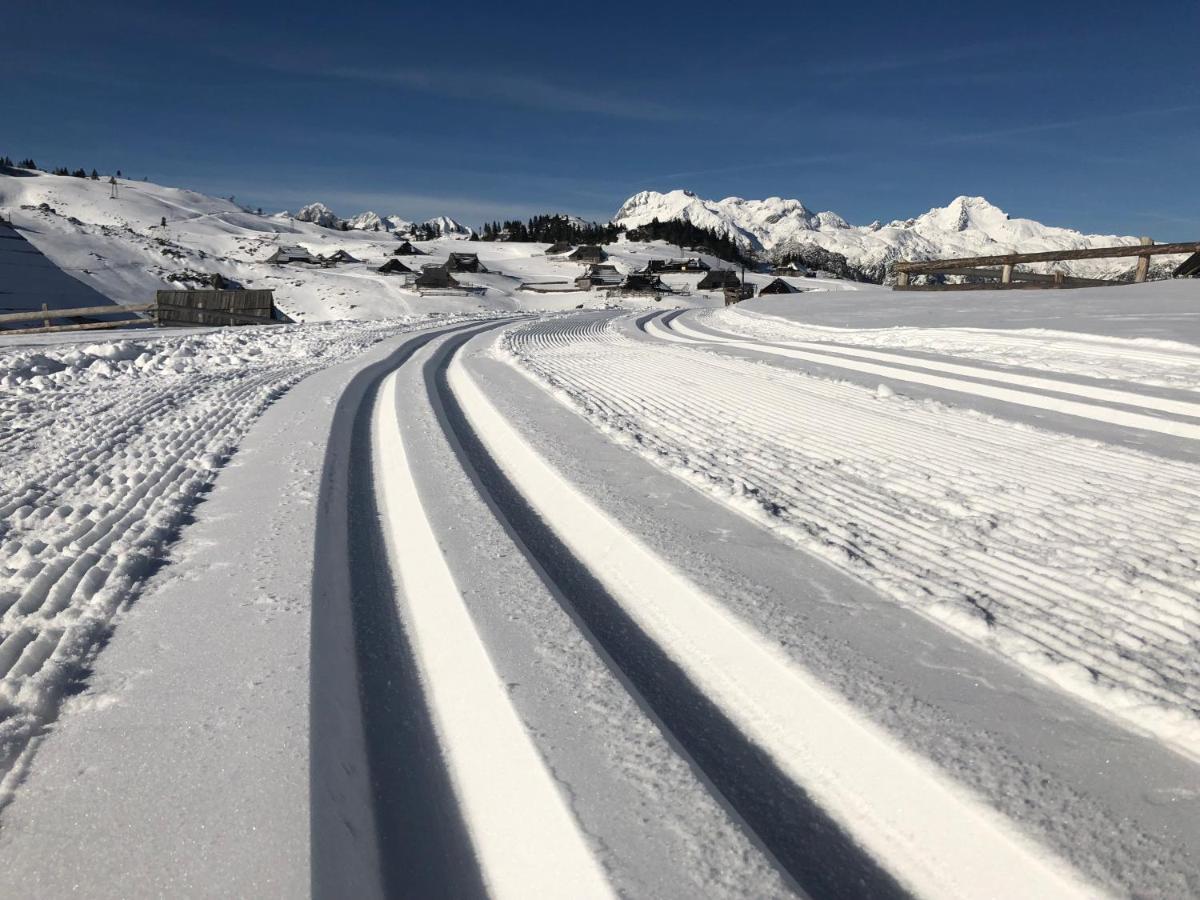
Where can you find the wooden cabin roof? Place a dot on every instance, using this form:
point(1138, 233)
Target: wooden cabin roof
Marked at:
point(779, 286)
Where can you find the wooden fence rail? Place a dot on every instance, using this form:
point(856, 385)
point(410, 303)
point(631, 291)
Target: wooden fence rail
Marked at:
point(1009, 278)
point(171, 308)
point(44, 313)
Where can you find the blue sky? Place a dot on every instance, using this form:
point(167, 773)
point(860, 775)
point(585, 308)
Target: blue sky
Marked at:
point(1084, 114)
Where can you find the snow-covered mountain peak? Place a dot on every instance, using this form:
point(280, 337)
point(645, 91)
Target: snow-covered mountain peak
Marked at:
point(778, 227)
point(963, 213)
point(318, 214)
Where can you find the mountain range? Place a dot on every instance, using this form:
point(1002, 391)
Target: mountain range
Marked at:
point(783, 229)
point(320, 214)
point(780, 229)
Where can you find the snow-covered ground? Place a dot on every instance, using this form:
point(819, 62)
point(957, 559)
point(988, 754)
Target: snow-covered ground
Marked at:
point(120, 248)
point(108, 447)
point(841, 593)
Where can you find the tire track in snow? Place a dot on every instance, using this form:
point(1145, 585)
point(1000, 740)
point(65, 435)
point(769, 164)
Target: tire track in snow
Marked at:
point(938, 839)
point(1080, 568)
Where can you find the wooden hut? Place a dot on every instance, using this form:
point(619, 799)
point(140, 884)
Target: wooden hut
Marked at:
point(779, 286)
point(436, 277)
point(407, 249)
point(599, 275)
point(464, 262)
point(639, 283)
point(588, 253)
point(718, 280)
point(285, 255)
point(394, 267)
point(340, 256)
point(1189, 268)
point(215, 307)
point(560, 248)
point(692, 264)
point(792, 269)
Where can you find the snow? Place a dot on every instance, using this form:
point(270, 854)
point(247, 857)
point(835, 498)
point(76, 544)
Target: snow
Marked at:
point(933, 506)
point(119, 248)
point(846, 591)
point(526, 838)
point(1118, 335)
point(967, 226)
point(938, 840)
point(108, 447)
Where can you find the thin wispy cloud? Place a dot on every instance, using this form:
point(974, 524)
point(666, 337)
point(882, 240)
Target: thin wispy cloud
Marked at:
point(758, 165)
point(925, 58)
point(511, 90)
point(1063, 124)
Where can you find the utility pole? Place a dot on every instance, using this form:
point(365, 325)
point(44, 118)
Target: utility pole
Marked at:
point(112, 187)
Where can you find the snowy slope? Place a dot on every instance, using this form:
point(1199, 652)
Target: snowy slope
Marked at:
point(967, 226)
point(121, 248)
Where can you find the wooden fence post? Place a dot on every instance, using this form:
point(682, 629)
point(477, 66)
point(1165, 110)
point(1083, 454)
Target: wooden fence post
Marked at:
point(45, 319)
point(1006, 271)
point(1143, 262)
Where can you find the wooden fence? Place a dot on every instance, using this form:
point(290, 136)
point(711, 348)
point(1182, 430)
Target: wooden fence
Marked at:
point(170, 308)
point(1008, 278)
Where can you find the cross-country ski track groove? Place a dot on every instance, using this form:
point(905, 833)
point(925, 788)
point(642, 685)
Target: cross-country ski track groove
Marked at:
point(935, 507)
point(812, 781)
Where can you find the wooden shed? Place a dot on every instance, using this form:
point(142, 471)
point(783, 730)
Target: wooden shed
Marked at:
point(215, 307)
point(464, 262)
point(719, 279)
point(560, 248)
point(285, 255)
point(684, 265)
point(792, 270)
point(588, 253)
point(599, 275)
point(436, 277)
point(779, 286)
point(641, 283)
point(394, 267)
point(407, 249)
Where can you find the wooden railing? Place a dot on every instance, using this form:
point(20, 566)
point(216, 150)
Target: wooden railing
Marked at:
point(1007, 276)
point(160, 313)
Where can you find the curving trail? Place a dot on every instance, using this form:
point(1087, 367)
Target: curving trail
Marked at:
point(1080, 567)
point(597, 608)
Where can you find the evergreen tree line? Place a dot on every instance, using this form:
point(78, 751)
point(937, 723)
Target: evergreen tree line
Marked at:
point(550, 229)
point(685, 234)
point(6, 162)
point(554, 228)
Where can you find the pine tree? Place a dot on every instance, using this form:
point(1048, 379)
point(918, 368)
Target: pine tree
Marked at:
point(95, 175)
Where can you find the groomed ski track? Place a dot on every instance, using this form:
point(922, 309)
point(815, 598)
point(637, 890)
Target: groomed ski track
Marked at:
point(518, 687)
